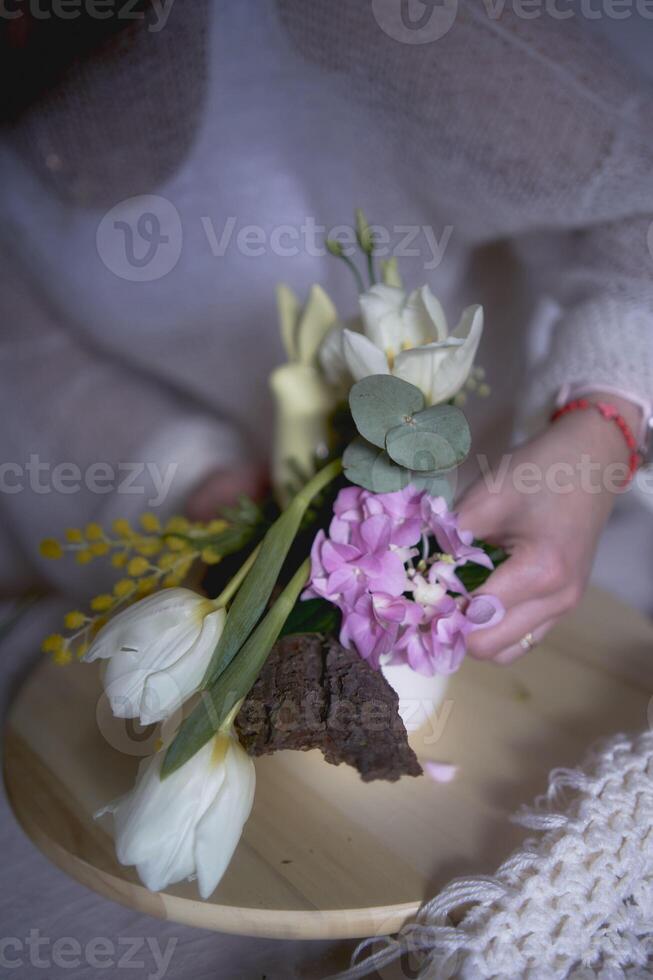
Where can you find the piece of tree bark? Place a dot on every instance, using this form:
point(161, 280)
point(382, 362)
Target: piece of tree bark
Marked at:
point(313, 693)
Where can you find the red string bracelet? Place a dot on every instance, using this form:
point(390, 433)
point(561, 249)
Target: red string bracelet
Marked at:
point(611, 413)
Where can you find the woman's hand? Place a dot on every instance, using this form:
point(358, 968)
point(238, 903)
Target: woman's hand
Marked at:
point(222, 488)
point(546, 505)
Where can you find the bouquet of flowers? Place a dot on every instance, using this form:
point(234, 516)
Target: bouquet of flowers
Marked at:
point(355, 565)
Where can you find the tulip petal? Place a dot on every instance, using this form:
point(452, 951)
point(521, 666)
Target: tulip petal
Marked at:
point(220, 829)
point(148, 617)
point(362, 357)
point(149, 638)
point(382, 310)
point(154, 825)
point(166, 690)
point(188, 824)
point(424, 319)
point(140, 652)
point(423, 367)
point(332, 358)
point(439, 370)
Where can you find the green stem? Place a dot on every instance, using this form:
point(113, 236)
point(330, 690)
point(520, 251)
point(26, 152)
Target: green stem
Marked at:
point(360, 285)
point(234, 583)
point(219, 702)
point(318, 482)
point(258, 583)
point(370, 268)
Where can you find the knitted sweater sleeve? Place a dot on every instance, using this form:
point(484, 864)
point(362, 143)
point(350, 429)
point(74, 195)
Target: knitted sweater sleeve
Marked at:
point(525, 129)
point(90, 440)
point(601, 280)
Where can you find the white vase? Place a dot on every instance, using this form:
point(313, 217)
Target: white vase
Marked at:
point(419, 696)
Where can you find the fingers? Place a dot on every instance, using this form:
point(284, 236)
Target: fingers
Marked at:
point(535, 592)
point(527, 617)
point(479, 512)
point(513, 653)
point(523, 576)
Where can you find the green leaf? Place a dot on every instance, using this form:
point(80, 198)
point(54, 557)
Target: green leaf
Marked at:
point(436, 484)
point(450, 423)
point(415, 449)
point(474, 576)
point(256, 589)
point(312, 616)
point(381, 402)
point(217, 700)
point(372, 468)
point(437, 438)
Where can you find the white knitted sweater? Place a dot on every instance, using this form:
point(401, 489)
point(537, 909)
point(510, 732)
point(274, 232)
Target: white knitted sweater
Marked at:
point(575, 903)
point(525, 138)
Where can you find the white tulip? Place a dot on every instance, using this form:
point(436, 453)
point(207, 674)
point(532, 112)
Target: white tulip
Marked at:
point(158, 651)
point(188, 824)
point(407, 337)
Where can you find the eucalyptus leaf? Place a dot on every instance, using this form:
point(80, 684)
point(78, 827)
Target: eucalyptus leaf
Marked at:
point(371, 468)
point(436, 484)
point(409, 446)
point(233, 685)
point(437, 438)
point(450, 423)
point(381, 402)
point(256, 589)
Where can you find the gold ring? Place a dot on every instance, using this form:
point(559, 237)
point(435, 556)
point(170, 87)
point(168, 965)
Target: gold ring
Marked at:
point(527, 642)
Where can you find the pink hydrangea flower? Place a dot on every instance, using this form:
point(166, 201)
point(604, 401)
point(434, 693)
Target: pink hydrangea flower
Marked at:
point(456, 548)
point(483, 611)
point(342, 572)
point(372, 625)
point(396, 610)
point(354, 505)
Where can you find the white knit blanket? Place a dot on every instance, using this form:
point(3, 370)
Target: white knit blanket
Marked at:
point(577, 901)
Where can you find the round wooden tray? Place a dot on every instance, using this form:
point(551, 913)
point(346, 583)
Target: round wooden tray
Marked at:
point(323, 854)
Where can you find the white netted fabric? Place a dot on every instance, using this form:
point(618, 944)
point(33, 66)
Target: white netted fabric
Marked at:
point(575, 902)
point(524, 144)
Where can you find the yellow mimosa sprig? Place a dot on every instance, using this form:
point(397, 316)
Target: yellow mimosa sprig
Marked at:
point(154, 556)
